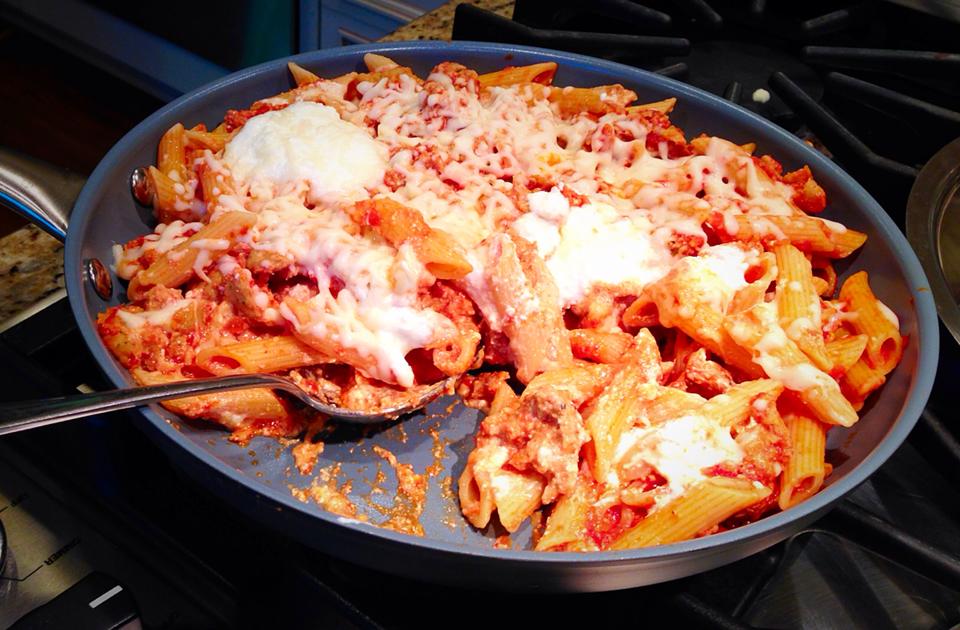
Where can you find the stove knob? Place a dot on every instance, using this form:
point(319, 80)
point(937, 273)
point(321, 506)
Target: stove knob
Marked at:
point(97, 602)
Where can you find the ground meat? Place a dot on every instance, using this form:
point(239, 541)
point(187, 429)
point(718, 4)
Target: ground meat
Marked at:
point(706, 377)
point(544, 433)
point(479, 390)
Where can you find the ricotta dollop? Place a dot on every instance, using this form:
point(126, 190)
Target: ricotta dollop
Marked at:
point(306, 142)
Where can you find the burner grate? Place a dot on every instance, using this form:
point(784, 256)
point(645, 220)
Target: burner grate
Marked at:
point(470, 22)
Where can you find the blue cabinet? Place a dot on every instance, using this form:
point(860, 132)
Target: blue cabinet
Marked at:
point(175, 55)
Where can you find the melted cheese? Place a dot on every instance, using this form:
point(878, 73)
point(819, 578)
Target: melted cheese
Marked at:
point(466, 163)
point(306, 142)
point(888, 314)
point(158, 317)
point(593, 244)
point(165, 237)
point(679, 449)
point(729, 263)
point(797, 377)
point(375, 312)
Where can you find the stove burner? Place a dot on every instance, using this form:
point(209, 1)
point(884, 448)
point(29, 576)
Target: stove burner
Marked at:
point(727, 67)
point(622, 16)
point(473, 23)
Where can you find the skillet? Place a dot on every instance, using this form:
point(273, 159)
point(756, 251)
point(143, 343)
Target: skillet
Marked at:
point(259, 478)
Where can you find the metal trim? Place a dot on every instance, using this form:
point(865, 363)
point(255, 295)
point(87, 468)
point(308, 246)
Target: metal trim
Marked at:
point(938, 182)
point(390, 8)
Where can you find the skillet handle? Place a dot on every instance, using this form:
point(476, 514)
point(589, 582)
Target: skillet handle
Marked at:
point(39, 191)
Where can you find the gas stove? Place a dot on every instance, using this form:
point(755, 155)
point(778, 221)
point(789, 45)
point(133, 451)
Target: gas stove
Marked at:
point(100, 531)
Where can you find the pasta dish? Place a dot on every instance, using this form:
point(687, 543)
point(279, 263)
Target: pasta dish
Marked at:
point(652, 324)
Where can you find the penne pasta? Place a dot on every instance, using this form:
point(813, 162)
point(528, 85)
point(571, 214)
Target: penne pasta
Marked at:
point(186, 259)
point(171, 157)
point(271, 354)
point(301, 75)
point(568, 519)
point(234, 409)
point(805, 470)
point(399, 224)
point(845, 352)
point(602, 347)
point(541, 73)
point(808, 234)
point(613, 413)
point(735, 405)
point(757, 330)
point(798, 304)
point(516, 497)
point(704, 506)
point(664, 107)
point(874, 319)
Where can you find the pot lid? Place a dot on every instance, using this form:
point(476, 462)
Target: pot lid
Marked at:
point(933, 229)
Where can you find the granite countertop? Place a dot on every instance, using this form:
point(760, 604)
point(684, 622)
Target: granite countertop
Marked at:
point(438, 24)
point(31, 262)
point(31, 268)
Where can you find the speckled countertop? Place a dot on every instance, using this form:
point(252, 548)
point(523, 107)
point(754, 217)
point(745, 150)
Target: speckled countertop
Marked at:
point(31, 268)
point(31, 262)
point(438, 24)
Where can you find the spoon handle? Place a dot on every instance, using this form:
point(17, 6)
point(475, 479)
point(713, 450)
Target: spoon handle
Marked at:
point(19, 416)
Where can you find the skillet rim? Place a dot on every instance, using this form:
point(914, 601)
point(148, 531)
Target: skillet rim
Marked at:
point(918, 392)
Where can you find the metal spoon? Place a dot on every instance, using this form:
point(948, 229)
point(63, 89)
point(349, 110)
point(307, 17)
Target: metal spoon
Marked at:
point(29, 414)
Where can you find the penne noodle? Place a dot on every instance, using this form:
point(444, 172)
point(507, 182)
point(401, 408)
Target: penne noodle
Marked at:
point(805, 470)
point(874, 319)
point(844, 352)
point(735, 405)
point(180, 264)
point(612, 414)
point(377, 63)
point(862, 379)
point(214, 140)
point(798, 304)
point(664, 107)
point(567, 520)
point(704, 506)
point(808, 234)
point(758, 331)
point(301, 75)
point(272, 354)
point(602, 347)
point(232, 409)
point(399, 224)
point(541, 73)
point(681, 304)
point(171, 158)
point(516, 497)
